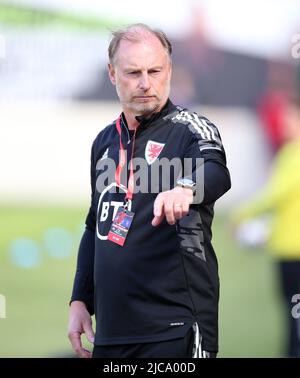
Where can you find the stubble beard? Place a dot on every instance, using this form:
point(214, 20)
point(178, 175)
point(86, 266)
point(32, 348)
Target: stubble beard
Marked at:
point(142, 109)
point(145, 109)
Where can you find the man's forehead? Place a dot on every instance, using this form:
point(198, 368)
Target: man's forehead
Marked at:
point(149, 48)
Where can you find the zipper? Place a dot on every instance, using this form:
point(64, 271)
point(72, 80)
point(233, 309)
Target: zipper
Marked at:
point(128, 135)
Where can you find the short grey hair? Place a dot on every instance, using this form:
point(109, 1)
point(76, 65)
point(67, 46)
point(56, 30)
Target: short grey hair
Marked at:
point(133, 33)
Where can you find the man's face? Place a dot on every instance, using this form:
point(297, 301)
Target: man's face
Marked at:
point(142, 74)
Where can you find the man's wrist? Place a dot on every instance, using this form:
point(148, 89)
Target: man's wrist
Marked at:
point(186, 183)
point(77, 303)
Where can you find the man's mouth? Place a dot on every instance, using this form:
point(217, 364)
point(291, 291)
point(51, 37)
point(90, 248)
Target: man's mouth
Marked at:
point(143, 98)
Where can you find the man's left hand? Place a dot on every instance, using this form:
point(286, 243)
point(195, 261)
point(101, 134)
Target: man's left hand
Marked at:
point(172, 204)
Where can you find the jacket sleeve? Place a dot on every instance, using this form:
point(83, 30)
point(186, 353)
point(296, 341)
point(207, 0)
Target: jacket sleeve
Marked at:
point(208, 161)
point(91, 217)
point(83, 288)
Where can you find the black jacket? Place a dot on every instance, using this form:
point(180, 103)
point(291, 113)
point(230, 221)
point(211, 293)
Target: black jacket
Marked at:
point(164, 278)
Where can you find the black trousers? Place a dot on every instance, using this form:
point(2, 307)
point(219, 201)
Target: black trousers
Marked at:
point(290, 284)
point(177, 348)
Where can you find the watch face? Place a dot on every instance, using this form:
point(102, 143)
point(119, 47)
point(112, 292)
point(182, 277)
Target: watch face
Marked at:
point(186, 182)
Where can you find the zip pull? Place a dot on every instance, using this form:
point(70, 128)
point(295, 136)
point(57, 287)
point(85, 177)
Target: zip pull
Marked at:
point(128, 133)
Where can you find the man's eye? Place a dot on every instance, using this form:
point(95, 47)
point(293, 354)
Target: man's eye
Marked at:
point(154, 71)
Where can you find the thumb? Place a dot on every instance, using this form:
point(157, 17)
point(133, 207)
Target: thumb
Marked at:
point(88, 330)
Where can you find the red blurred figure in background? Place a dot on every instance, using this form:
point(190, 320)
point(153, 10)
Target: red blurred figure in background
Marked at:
point(271, 111)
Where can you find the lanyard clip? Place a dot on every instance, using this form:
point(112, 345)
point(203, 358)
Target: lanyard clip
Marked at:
point(126, 204)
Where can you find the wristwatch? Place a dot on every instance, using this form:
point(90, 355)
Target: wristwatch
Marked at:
point(186, 183)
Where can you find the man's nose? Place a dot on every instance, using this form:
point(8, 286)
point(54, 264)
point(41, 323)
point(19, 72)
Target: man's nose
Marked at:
point(144, 83)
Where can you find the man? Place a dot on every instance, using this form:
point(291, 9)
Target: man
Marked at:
point(152, 280)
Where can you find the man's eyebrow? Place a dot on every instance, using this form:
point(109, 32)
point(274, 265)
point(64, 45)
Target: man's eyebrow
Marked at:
point(129, 68)
point(156, 68)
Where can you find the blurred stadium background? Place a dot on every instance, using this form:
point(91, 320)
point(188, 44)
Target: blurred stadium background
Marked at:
point(229, 59)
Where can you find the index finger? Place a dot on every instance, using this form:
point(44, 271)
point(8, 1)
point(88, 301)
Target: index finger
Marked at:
point(158, 205)
point(75, 339)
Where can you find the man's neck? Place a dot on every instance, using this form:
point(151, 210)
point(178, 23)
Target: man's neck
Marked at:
point(131, 121)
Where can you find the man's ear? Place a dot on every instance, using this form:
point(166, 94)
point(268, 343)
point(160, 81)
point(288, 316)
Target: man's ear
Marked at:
point(111, 73)
point(170, 68)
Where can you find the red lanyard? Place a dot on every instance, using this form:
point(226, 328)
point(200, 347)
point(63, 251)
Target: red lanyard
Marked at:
point(122, 163)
